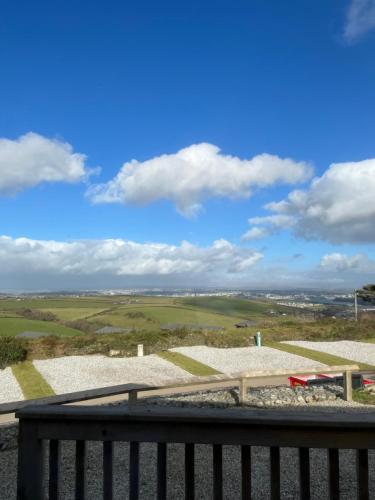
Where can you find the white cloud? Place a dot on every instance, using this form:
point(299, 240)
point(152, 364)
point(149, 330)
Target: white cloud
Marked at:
point(267, 225)
point(360, 19)
point(256, 233)
point(117, 257)
point(32, 159)
point(194, 174)
point(342, 262)
point(338, 207)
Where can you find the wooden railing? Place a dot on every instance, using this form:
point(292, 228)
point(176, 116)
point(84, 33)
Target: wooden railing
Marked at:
point(242, 379)
point(274, 429)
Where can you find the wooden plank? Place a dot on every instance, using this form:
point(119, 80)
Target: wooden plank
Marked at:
point(243, 396)
point(348, 386)
point(293, 418)
point(333, 474)
point(54, 466)
point(212, 433)
point(162, 471)
point(362, 475)
point(217, 471)
point(189, 472)
point(80, 483)
point(107, 470)
point(246, 472)
point(30, 462)
point(134, 471)
point(304, 473)
point(275, 472)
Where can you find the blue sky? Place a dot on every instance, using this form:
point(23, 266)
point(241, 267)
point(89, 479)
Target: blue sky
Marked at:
point(119, 81)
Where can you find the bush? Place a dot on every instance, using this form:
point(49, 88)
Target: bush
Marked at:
point(11, 351)
point(37, 315)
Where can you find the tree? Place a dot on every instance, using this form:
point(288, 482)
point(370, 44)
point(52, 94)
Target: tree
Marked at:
point(367, 293)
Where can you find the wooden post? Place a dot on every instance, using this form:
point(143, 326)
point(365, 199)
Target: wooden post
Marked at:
point(30, 462)
point(132, 397)
point(243, 390)
point(348, 388)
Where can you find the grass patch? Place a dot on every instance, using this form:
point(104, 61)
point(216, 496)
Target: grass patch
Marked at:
point(363, 397)
point(188, 364)
point(321, 357)
point(32, 384)
point(10, 327)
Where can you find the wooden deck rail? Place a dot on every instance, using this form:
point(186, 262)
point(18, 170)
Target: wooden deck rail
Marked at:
point(242, 379)
point(269, 428)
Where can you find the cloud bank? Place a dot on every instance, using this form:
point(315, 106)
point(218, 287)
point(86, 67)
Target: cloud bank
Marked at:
point(32, 159)
point(338, 207)
point(194, 174)
point(118, 257)
point(360, 19)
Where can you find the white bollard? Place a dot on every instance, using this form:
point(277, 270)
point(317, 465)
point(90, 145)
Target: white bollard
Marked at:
point(140, 350)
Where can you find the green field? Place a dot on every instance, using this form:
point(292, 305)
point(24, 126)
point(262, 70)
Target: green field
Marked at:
point(74, 320)
point(9, 327)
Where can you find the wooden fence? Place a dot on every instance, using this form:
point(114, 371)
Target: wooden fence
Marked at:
point(269, 428)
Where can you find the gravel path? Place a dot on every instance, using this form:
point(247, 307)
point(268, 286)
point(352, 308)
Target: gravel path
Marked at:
point(246, 358)
point(362, 352)
point(9, 388)
point(76, 373)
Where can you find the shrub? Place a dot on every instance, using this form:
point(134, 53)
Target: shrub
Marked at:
point(35, 314)
point(11, 351)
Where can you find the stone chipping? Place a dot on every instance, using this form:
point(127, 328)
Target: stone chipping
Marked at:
point(361, 352)
point(9, 387)
point(76, 373)
point(234, 360)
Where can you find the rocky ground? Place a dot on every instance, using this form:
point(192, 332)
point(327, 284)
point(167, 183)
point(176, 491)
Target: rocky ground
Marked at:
point(259, 397)
point(326, 398)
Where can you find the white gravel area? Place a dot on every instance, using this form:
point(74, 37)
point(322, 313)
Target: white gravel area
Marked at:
point(361, 352)
point(233, 360)
point(9, 387)
point(76, 373)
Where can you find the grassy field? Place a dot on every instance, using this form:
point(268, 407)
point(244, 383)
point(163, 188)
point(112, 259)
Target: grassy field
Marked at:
point(12, 326)
point(240, 308)
point(75, 319)
point(32, 384)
